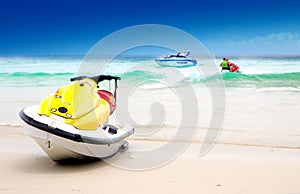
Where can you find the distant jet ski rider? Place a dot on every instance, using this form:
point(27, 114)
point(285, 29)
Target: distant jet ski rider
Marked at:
point(225, 64)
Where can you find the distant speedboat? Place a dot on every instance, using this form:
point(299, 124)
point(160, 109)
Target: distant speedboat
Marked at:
point(179, 60)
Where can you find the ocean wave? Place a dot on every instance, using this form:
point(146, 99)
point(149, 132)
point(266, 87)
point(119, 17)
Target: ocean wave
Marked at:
point(34, 74)
point(229, 79)
point(141, 76)
point(250, 80)
point(266, 80)
point(36, 79)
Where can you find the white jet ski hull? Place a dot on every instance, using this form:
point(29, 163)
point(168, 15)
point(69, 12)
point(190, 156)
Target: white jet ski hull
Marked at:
point(62, 141)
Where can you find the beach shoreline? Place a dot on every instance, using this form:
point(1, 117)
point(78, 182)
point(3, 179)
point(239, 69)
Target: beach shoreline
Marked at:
point(225, 169)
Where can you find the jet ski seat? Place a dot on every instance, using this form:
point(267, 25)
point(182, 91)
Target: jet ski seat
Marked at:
point(108, 97)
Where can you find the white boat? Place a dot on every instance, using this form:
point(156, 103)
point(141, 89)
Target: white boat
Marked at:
point(179, 60)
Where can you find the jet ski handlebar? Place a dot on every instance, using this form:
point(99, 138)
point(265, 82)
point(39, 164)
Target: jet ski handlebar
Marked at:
point(97, 79)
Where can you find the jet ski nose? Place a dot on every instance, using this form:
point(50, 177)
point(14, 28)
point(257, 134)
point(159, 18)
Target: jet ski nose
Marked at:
point(62, 109)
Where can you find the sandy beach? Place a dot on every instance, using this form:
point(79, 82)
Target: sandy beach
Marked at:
point(226, 169)
point(257, 151)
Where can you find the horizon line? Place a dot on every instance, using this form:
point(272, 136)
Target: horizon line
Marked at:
point(152, 55)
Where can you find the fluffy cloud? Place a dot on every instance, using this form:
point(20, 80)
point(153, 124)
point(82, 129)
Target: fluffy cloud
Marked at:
point(275, 43)
point(279, 38)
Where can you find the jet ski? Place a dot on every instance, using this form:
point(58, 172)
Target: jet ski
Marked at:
point(233, 68)
point(179, 60)
point(73, 121)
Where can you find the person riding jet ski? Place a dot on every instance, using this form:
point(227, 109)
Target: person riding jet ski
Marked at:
point(229, 66)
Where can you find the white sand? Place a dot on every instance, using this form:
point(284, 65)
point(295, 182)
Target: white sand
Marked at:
point(226, 169)
point(257, 151)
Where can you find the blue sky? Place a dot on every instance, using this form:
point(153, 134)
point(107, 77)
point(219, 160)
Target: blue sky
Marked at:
point(60, 27)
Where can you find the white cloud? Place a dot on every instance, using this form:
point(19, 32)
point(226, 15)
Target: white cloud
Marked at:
point(275, 43)
point(279, 38)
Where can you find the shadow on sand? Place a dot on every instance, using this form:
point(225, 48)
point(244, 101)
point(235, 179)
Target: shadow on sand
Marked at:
point(43, 164)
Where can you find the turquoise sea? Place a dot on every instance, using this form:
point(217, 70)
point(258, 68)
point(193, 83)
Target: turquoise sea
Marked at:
point(261, 103)
point(256, 72)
